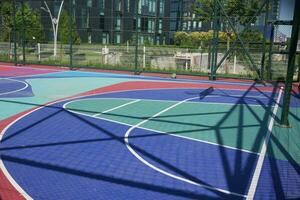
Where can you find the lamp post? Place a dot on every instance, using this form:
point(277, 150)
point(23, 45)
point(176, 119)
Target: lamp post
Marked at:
point(55, 23)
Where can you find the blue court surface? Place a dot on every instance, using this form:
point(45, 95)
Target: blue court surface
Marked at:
point(148, 143)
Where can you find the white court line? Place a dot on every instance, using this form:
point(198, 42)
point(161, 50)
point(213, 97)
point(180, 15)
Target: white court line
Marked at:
point(14, 91)
point(115, 108)
point(126, 140)
point(152, 130)
point(257, 172)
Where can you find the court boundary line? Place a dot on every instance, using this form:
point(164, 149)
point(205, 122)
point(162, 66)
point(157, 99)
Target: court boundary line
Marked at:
point(3, 168)
point(126, 140)
point(261, 158)
point(18, 90)
point(157, 131)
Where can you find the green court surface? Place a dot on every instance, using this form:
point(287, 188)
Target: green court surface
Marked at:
point(284, 143)
point(51, 89)
point(235, 126)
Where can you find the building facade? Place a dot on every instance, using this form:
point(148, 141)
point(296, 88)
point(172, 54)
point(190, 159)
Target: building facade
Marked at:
point(115, 21)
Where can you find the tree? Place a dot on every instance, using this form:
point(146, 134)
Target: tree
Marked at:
point(30, 20)
point(239, 12)
point(243, 11)
point(6, 13)
point(34, 31)
point(64, 29)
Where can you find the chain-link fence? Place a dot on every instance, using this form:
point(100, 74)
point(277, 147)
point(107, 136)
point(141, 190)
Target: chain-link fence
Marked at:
point(183, 37)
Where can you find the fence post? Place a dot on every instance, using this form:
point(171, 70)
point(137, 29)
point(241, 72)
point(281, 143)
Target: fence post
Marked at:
point(39, 51)
point(144, 57)
point(262, 70)
point(70, 31)
point(127, 46)
point(186, 59)
point(136, 37)
point(269, 66)
point(234, 63)
point(298, 78)
point(214, 56)
point(291, 66)
point(15, 32)
point(24, 33)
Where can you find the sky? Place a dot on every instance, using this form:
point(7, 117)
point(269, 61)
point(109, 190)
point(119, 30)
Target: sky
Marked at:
point(286, 13)
point(286, 9)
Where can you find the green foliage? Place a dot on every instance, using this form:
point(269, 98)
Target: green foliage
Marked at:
point(250, 35)
point(197, 38)
point(204, 9)
point(182, 38)
point(6, 11)
point(243, 12)
point(30, 21)
point(64, 29)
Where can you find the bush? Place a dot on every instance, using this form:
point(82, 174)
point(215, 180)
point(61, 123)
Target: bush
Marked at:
point(182, 38)
point(197, 38)
point(250, 35)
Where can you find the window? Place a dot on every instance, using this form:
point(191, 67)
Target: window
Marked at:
point(161, 7)
point(89, 3)
point(144, 24)
point(200, 24)
point(117, 5)
point(101, 5)
point(139, 23)
point(151, 25)
point(173, 26)
point(152, 6)
point(117, 38)
point(83, 16)
point(160, 26)
point(118, 22)
point(101, 22)
point(127, 5)
point(140, 7)
point(105, 38)
point(90, 38)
